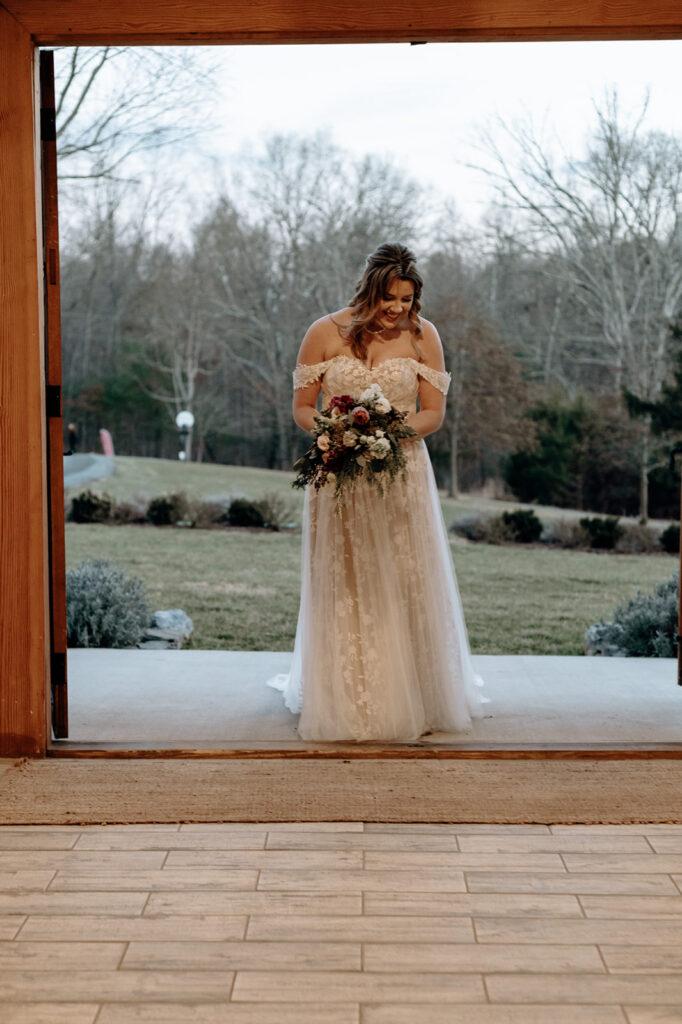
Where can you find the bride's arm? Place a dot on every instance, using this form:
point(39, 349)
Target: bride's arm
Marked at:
point(311, 353)
point(431, 400)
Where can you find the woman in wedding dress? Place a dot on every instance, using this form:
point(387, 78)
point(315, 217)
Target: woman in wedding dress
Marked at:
point(381, 650)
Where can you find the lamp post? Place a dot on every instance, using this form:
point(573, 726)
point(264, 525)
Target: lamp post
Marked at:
point(676, 451)
point(184, 422)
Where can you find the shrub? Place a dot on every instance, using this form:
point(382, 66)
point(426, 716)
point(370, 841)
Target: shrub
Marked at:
point(209, 513)
point(670, 539)
point(276, 509)
point(565, 533)
point(645, 627)
point(243, 512)
point(524, 525)
point(637, 539)
point(496, 531)
point(471, 527)
point(90, 508)
point(602, 532)
point(128, 512)
point(168, 510)
point(104, 606)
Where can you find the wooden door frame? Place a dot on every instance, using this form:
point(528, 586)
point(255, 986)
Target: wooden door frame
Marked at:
point(26, 25)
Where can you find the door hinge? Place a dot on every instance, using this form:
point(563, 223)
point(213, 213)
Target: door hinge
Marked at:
point(53, 400)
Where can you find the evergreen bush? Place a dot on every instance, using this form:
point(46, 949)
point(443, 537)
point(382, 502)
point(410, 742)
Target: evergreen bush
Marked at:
point(88, 507)
point(670, 539)
point(602, 532)
point(104, 606)
point(645, 627)
point(524, 525)
point(243, 512)
point(168, 509)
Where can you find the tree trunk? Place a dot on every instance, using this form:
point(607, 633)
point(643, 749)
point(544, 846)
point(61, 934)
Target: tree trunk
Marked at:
point(644, 475)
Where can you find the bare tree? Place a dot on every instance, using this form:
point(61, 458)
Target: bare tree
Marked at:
point(614, 219)
point(114, 102)
point(488, 392)
point(314, 214)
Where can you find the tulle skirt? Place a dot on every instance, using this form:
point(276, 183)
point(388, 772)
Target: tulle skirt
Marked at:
point(381, 649)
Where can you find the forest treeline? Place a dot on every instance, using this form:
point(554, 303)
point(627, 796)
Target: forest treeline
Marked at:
point(560, 307)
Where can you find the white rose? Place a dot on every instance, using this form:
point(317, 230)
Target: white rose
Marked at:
point(383, 405)
point(380, 447)
point(350, 439)
point(323, 442)
point(370, 393)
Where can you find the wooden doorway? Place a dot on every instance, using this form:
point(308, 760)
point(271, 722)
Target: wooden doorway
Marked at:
point(28, 555)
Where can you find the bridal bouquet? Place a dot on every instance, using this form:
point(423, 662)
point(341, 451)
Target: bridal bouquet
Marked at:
point(355, 438)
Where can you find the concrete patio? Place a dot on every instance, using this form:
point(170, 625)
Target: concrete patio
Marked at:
point(219, 699)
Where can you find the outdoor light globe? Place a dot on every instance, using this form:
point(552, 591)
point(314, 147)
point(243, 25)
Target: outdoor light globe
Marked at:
point(184, 419)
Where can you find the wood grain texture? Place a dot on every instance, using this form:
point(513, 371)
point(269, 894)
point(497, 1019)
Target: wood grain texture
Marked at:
point(299, 21)
point(23, 519)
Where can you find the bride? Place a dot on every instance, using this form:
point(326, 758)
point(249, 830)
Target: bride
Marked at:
point(381, 649)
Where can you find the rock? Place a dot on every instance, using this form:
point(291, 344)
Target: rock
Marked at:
point(174, 620)
point(599, 641)
point(168, 630)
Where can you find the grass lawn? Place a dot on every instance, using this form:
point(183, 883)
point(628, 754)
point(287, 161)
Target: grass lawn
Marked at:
point(150, 478)
point(241, 588)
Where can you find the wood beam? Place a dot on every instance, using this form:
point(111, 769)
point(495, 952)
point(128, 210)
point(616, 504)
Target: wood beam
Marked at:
point(54, 22)
point(24, 608)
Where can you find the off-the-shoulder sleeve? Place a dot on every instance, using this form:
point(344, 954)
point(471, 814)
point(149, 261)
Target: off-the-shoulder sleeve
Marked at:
point(439, 378)
point(306, 373)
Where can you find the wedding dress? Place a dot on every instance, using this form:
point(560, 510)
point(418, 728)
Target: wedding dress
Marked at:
point(381, 649)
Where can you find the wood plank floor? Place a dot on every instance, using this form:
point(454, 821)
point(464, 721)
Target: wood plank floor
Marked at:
point(341, 923)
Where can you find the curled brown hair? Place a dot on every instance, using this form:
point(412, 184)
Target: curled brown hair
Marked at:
point(388, 262)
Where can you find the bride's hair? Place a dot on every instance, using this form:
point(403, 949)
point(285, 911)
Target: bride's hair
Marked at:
point(388, 262)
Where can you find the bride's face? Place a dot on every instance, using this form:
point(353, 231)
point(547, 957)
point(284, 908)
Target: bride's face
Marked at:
point(396, 303)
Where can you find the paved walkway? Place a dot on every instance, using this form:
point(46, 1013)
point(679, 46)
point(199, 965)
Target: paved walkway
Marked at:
point(341, 923)
point(81, 468)
point(219, 698)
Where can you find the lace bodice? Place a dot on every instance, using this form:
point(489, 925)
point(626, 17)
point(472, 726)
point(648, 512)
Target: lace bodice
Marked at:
point(398, 377)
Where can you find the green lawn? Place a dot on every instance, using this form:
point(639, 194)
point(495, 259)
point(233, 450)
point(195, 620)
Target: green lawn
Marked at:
point(149, 478)
point(241, 588)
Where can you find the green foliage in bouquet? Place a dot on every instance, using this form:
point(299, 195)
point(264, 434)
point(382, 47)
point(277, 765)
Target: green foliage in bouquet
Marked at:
point(355, 438)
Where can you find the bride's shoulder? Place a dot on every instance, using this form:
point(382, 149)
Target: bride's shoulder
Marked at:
point(321, 336)
point(430, 339)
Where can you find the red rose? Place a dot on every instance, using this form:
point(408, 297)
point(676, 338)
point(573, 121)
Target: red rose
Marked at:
point(360, 415)
point(341, 402)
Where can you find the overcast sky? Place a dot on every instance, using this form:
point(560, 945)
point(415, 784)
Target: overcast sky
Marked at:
point(422, 104)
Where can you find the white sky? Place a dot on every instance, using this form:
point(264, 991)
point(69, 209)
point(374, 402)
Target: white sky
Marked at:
point(422, 103)
point(419, 104)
